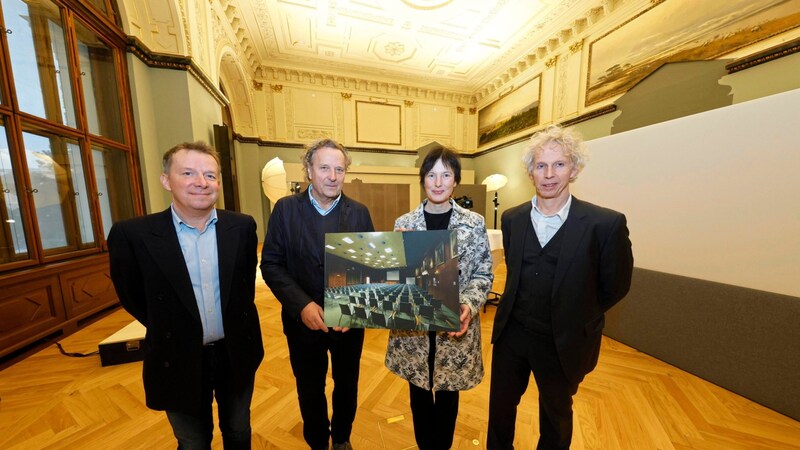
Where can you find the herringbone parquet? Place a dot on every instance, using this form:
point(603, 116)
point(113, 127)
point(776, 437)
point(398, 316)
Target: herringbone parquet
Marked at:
point(631, 401)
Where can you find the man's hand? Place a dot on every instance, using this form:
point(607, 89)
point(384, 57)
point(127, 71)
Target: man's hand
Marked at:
point(466, 316)
point(313, 317)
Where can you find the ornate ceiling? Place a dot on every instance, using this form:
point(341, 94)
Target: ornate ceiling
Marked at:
point(458, 45)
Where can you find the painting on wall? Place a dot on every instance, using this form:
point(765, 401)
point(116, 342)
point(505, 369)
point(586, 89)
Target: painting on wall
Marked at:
point(678, 31)
point(378, 123)
point(510, 114)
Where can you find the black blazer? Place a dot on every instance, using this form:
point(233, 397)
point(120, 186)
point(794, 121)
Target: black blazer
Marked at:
point(292, 260)
point(153, 284)
point(593, 273)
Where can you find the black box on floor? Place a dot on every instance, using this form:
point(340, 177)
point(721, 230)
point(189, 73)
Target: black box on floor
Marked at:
point(123, 346)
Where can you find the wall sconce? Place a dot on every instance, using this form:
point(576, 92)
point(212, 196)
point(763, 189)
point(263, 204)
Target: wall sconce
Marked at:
point(493, 183)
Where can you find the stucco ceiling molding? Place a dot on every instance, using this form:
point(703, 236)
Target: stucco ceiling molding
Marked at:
point(155, 23)
point(232, 76)
point(542, 52)
point(277, 75)
point(235, 28)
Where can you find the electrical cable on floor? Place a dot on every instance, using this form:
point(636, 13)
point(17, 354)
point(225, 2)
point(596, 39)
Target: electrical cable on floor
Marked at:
point(74, 354)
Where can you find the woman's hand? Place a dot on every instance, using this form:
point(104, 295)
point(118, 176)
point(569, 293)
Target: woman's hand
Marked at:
point(466, 316)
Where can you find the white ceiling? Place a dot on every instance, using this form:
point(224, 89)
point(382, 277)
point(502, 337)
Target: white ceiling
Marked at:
point(458, 44)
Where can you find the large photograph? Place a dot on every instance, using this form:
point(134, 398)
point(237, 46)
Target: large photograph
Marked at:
point(510, 114)
point(677, 31)
point(397, 280)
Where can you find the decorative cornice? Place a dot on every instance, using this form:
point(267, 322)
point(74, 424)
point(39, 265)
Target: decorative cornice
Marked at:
point(408, 103)
point(581, 27)
point(770, 54)
point(264, 143)
point(576, 47)
point(473, 111)
point(276, 87)
point(163, 61)
point(347, 95)
point(460, 109)
point(371, 88)
point(551, 62)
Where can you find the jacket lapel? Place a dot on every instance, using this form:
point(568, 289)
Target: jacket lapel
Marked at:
point(574, 229)
point(163, 245)
point(519, 227)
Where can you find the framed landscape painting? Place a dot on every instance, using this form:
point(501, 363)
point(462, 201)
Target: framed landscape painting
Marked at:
point(679, 31)
point(512, 113)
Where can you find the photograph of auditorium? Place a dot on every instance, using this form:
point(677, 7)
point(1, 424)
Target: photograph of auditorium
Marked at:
point(397, 280)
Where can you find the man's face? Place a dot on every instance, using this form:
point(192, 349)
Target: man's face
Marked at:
point(327, 171)
point(551, 172)
point(193, 180)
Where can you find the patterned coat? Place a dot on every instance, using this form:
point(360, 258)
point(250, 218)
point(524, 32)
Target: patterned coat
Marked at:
point(458, 364)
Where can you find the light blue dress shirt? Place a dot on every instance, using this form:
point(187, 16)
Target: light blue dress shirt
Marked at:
point(316, 204)
point(547, 226)
point(200, 253)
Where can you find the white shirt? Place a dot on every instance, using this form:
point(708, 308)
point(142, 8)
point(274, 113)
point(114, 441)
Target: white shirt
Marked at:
point(547, 226)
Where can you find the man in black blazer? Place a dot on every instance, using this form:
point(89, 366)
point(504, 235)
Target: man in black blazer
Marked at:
point(568, 262)
point(188, 275)
point(292, 264)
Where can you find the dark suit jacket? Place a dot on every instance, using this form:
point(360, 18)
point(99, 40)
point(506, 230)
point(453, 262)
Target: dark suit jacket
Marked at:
point(153, 284)
point(292, 259)
point(593, 273)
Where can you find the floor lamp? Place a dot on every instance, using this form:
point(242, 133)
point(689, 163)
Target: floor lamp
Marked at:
point(493, 183)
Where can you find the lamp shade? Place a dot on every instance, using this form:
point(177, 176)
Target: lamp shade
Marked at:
point(494, 181)
point(273, 180)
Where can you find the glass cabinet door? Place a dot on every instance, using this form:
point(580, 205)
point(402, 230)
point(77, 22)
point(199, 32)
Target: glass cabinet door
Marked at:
point(59, 191)
point(99, 81)
point(13, 241)
point(39, 62)
point(111, 172)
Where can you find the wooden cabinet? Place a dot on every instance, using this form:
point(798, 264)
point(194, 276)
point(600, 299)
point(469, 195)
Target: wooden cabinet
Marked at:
point(52, 300)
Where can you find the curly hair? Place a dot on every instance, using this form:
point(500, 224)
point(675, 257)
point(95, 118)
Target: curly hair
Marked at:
point(312, 148)
point(570, 141)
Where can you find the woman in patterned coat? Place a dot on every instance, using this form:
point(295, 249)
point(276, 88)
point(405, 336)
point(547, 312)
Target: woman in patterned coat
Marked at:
point(439, 364)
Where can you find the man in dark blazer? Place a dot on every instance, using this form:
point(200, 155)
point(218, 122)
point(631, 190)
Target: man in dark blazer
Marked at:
point(568, 262)
point(188, 275)
point(292, 264)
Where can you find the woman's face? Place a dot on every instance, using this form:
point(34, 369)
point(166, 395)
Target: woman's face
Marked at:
point(439, 183)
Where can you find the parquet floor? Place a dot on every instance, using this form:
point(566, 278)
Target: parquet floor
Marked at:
point(631, 401)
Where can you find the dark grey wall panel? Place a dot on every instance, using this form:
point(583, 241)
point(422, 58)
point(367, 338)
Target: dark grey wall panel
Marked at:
point(745, 340)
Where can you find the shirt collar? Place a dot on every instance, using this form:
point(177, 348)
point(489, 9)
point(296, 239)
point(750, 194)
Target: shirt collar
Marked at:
point(316, 204)
point(562, 213)
point(177, 221)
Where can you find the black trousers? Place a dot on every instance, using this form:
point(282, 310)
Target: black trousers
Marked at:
point(518, 353)
point(308, 354)
point(434, 413)
point(195, 431)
